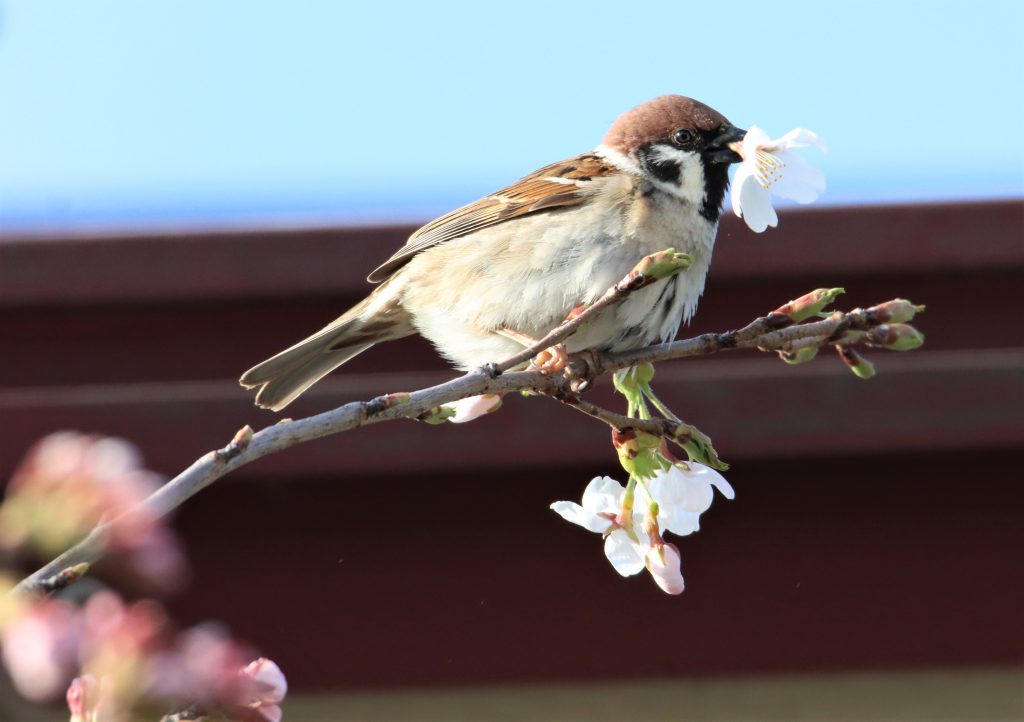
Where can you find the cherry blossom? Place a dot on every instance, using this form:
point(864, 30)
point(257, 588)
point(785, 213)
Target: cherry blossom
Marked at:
point(68, 482)
point(39, 642)
point(770, 167)
point(602, 512)
point(683, 493)
point(265, 687)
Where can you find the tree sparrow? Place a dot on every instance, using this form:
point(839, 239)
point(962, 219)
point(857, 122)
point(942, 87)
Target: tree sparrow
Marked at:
point(486, 279)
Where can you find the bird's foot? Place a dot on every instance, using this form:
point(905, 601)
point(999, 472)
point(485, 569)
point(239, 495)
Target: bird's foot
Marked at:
point(583, 368)
point(551, 360)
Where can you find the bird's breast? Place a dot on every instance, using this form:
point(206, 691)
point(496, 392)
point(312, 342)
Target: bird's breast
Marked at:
point(528, 274)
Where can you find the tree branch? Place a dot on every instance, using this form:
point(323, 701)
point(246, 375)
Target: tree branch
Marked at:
point(774, 332)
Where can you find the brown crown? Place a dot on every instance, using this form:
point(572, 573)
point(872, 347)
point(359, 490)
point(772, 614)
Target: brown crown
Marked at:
point(659, 118)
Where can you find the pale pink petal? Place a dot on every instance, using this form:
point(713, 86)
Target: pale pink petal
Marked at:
point(474, 407)
point(624, 554)
point(663, 562)
point(109, 457)
point(578, 515)
point(270, 712)
point(270, 685)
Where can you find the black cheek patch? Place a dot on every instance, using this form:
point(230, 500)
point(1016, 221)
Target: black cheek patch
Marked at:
point(666, 171)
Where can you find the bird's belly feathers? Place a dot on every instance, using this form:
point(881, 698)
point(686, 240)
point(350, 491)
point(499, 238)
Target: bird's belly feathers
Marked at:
point(528, 275)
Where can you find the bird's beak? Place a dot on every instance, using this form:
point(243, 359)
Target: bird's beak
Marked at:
point(720, 150)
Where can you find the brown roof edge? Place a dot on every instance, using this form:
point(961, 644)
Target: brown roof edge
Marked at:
point(238, 263)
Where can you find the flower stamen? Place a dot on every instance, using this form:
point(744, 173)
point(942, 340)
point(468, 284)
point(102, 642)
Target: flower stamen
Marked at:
point(768, 169)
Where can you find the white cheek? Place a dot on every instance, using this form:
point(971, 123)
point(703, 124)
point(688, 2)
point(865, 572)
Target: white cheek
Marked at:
point(690, 186)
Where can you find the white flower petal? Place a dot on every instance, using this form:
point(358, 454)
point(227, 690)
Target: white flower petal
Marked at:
point(625, 555)
point(754, 139)
point(756, 204)
point(680, 488)
point(744, 173)
point(715, 479)
point(800, 138)
point(663, 562)
point(799, 181)
point(680, 522)
point(578, 515)
point(603, 495)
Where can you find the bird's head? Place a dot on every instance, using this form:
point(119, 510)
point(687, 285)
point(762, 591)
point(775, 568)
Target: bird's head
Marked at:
point(679, 145)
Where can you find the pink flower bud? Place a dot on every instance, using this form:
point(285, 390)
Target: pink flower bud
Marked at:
point(898, 310)
point(663, 562)
point(473, 407)
point(810, 304)
point(267, 683)
point(81, 697)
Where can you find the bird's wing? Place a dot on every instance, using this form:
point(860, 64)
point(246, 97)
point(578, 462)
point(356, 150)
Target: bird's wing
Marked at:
point(556, 186)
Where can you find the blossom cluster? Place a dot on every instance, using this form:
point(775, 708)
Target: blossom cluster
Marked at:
point(115, 660)
point(127, 658)
point(633, 518)
point(69, 482)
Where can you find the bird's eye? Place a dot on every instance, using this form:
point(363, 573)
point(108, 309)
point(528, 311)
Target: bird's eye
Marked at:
point(683, 137)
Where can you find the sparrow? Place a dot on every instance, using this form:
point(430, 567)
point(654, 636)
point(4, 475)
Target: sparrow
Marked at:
point(483, 281)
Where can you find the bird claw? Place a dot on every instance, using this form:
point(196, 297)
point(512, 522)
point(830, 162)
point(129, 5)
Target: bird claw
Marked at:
point(585, 367)
point(551, 360)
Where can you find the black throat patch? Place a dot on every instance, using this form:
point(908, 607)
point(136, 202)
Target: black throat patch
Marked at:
point(716, 181)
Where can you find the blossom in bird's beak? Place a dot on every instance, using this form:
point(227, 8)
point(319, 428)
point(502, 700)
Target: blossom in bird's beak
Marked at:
point(770, 167)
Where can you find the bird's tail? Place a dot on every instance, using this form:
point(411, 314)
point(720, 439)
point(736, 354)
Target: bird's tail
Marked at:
point(283, 377)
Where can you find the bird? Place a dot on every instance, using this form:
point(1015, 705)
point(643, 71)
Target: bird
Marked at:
point(482, 282)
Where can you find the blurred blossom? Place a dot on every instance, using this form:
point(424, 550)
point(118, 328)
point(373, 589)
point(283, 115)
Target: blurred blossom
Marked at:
point(68, 482)
point(40, 646)
point(117, 640)
point(129, 663)
point(264, 688)
point(88, 701)
point(203, 666)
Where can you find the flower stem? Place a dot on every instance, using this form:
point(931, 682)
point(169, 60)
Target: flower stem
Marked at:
point(658, 404)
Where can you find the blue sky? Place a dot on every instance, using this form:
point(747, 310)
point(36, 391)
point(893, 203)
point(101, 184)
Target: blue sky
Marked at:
point(208, 111)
